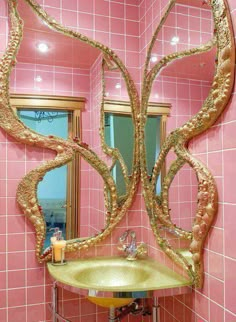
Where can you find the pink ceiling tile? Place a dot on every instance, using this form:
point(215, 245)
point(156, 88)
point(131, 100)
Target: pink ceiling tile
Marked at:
point(71, 5)
point(85, 20)
point(69, 18)
point(117, 10)
point(132, 12)
point(52, 3)
point(132, 28)
point(117, 25)
point(102, 23)
point(101, 7)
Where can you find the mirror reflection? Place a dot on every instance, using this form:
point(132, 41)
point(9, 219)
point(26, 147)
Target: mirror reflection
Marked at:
point(185, 84)
point(59, 65)
point(53, 190)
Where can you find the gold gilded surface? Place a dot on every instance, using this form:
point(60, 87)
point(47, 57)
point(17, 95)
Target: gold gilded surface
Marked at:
point(108, 302)
point(157, 208)
point(116, 274)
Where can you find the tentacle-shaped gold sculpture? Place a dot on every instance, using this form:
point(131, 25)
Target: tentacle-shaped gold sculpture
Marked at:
point(178, 139)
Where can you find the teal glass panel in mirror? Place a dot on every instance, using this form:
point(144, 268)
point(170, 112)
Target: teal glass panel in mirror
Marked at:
point(119, 134)
point(119, 131)
point(152, 144)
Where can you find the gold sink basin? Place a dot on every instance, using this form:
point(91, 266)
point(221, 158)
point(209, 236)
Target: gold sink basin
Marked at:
point(115, 281)
point(116, 274)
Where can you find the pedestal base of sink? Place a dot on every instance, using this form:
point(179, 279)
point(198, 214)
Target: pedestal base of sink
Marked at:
point(110, 302)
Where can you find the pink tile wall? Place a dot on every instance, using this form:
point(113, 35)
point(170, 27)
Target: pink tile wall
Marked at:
point(115, 24)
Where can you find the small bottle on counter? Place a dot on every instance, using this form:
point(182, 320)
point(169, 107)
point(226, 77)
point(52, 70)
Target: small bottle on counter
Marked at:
point(58, 247)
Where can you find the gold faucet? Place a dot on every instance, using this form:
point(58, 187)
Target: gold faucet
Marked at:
point(132, 250)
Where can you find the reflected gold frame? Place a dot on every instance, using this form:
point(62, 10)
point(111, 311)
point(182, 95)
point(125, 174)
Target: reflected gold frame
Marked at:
point(178, 140)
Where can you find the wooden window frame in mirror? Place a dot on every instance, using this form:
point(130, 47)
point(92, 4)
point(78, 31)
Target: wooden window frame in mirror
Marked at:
point(75, 105)
point(154, 109)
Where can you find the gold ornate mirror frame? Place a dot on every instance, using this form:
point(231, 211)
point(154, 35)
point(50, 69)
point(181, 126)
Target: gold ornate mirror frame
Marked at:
point(66, 150)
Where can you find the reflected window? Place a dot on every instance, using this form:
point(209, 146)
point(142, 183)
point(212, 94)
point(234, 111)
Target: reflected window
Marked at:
point(53, 189)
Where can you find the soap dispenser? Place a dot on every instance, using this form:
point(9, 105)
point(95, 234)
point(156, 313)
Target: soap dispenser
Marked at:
point(58, 247)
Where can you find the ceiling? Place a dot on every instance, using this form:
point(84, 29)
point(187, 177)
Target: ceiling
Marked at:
point(68, 52)
point(63, 51)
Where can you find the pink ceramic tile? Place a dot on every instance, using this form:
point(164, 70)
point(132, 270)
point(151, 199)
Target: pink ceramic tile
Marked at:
point(17, 314)
point(230, 284)
point(16, 242)
point(102, 23)
point(229, 234)
point(229, 173)
point(69, 18)
point(35, 277)
point(15, 170)
point(3, 300)
point(35, 295)
point(3, 263)
point(13, 207)
point(3, 278)
point(2, 243)
point(201, 306)
point(230, 317)
point(16, 261)
point(216, 312)
point(16, 297)
point(11, 187)
point(16, 279)
point(3, 225)
point(71, 308)
point(216, 265)
point(16, 152)
point(228, 135)
point(36, 313)
point(216, 240)
point(216, 290)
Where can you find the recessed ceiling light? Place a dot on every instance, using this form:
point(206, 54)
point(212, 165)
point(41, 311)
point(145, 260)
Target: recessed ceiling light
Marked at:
point(154, 58)
point(174, 40)
point(156, 96)
point(118, 85)
point(42, 47)
point(38, 79)
point(107, 94)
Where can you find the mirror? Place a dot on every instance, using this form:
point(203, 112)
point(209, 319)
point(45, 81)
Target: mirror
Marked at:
point(180, 68)
point(95, 154)
point(184, 83)
point(67, 67)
